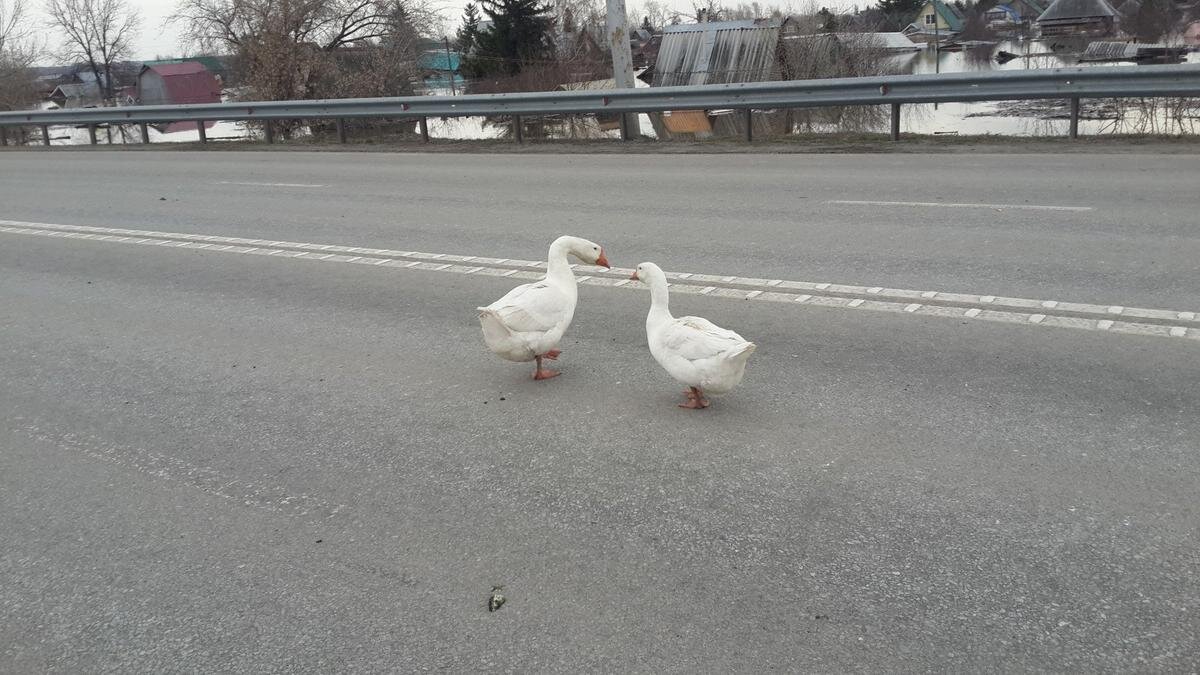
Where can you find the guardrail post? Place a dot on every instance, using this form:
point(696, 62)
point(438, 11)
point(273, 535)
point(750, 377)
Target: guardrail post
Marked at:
point(269, 131)
point(45, 134)
point(518, 129)
point(424, 124)
point(145, 128)
point(92, 133)
point(202, 130)
point(1074, 131)
point(895, 121)
point(749, 125)
point(626, 127)
point(3, 136)
point(341, 130)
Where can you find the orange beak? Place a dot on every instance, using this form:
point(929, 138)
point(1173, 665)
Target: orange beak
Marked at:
point(602, 260)
point(634, 276)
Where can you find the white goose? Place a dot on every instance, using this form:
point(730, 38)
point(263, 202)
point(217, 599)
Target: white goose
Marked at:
point(695, 351)
point(527, 323)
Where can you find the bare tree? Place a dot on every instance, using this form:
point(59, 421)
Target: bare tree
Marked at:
point(16, 30)
point(305, 49)
point(657, 14)
point(97, 32)
point(19, 48)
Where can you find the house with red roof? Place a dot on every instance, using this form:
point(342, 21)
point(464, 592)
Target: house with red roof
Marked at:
point(177, 84)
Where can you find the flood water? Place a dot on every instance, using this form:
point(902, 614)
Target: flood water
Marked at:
point(1040, 118)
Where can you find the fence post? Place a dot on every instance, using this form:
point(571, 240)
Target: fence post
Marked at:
point(1074, 132)
point(145, 132)
point(895, 121)
point(518, 128)
point(92, 133)
point(202, 130)
point(269, 131)
point(749, 125)
point(45, 134)
point(341, 130)
point(424, 124)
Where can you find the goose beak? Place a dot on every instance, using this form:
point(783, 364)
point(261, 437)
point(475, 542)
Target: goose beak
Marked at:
point(602, 261)
point(634, 276)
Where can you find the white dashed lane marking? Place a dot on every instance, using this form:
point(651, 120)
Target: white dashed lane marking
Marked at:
point(1020, 207)
point(282, 185)
point(1050, 313)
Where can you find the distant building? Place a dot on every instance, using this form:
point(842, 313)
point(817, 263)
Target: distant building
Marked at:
point(76, 95)
point(1000, 17)
point(1078, 17)
point(177, 84)
point(440, 69)
point(936, 19)
point(643, 46)
point(1030, 10)
point(1191, 32)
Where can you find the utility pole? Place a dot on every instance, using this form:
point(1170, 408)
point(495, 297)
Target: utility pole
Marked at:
point(449, 65)
point(622, 56)
point(937, 39)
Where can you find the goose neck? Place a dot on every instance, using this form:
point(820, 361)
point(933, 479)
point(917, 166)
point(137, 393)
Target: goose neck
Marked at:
point(557, 265)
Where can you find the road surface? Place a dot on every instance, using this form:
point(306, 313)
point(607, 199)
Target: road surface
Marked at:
point(217, 458)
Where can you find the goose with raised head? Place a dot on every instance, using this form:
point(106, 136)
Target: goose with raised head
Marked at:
point(707, 358)
point(528, 322)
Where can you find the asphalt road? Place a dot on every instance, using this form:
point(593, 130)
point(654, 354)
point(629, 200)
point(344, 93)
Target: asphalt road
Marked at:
point(222, 462)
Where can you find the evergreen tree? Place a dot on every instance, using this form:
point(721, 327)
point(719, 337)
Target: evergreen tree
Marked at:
point(520, 33)
point(901, 12)
point(828, 20)
point(468, 33)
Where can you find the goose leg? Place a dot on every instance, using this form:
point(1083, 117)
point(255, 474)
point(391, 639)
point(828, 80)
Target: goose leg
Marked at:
point(552, 354)
point(696, 400)
point(541, 373)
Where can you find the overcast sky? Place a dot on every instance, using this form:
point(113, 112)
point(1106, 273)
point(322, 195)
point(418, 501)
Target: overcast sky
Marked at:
point(159, 39)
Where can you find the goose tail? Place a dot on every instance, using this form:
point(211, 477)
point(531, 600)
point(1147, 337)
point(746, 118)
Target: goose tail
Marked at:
point(741, 353)
point(494, 330)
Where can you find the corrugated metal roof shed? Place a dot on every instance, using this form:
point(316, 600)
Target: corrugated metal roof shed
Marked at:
point(717, 53)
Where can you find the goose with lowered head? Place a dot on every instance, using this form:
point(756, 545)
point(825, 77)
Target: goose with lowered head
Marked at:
point(528, 322)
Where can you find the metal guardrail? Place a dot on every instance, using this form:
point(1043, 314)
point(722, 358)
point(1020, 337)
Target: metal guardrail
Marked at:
point(1059, 83)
